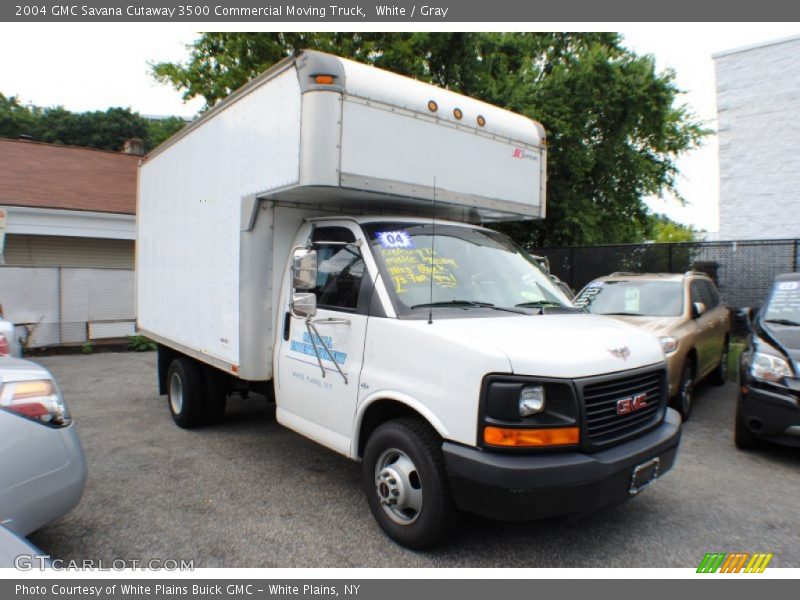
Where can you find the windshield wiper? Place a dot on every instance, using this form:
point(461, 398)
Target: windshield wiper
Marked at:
point(540, 304)
point(787, 322)
point(470, 303)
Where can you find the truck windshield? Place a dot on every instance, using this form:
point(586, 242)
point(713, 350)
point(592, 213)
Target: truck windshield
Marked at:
point(636, 298)
point(470, 268)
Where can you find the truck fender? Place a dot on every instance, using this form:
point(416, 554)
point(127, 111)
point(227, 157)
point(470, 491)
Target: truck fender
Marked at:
point(410, 402)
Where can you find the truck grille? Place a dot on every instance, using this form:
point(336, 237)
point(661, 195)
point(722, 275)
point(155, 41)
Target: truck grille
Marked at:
point(600, 396)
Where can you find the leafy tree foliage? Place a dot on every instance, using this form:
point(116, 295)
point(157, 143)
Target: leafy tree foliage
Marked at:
point(105, 130)
point(614, 123)
point(664, 229)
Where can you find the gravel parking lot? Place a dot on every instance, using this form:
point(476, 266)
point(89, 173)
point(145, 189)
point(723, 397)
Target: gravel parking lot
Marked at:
point(249, 493)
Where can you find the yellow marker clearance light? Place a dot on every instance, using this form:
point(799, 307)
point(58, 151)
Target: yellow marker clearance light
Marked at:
point(323, 79)
point(457, 113)
point(481, 121)
point(510, 438)
point(432, 106)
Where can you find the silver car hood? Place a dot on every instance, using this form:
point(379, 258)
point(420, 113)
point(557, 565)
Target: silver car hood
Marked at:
point(17, 369)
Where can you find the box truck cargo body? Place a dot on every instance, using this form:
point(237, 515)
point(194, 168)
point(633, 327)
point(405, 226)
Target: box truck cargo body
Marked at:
point(316, 238)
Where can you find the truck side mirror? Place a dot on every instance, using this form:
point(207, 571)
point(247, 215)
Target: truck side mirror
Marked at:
point(698, 308)
point(304, 269)
point(304, 304)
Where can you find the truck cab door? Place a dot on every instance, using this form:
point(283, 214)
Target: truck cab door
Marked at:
point(317, 375)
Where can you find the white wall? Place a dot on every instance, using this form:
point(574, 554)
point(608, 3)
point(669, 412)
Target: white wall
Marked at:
point(758, 105)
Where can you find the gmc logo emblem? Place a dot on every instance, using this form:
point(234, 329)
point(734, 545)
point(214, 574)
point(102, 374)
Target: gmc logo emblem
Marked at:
point(632, 404)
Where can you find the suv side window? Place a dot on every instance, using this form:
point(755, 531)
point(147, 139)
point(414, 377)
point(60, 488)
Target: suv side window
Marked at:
point(340, 269)
point(711, 292)
point(703, 291)
point(696, 291)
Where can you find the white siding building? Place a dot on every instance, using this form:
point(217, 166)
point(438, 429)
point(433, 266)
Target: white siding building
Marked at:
point(758, 105)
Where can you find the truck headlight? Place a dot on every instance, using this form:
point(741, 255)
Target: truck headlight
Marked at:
point(531, 400)
point(669, 344)
point(769, 367)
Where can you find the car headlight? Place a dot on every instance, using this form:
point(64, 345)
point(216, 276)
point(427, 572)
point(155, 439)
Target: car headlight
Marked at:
point(769, 367)
point(38, 400)
point(531, 400)
point(669, 344)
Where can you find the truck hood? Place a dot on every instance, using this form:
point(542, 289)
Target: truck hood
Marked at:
point(570, 345)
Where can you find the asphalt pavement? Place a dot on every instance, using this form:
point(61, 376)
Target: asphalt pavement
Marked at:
point(250, 493)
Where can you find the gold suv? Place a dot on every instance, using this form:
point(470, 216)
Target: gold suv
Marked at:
point(683, 311)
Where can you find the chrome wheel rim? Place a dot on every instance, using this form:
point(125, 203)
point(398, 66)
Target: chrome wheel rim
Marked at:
point(176, 394)
point(398, 486)
point(686, 394)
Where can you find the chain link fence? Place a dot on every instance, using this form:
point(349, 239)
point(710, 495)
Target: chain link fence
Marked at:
point(742, 270)
point(53, 306)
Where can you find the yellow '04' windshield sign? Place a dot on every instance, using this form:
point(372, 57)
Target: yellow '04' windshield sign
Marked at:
point(734, 562)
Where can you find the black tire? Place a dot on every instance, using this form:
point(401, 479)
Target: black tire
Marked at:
point(743, 437)
point(684, 399)
point(217, 394)
point(417, 441)
point(186, 393)
point(720, 374)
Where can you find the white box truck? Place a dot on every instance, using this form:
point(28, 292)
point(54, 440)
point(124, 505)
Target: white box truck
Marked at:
point(315, 238)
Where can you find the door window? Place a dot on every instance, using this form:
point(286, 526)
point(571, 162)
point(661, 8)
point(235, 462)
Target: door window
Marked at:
point(711, 294)
point(340, 269)
point(696, 292)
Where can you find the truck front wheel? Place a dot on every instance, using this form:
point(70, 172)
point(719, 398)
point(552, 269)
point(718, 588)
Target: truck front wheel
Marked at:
point(186, 393)
point(406, 483)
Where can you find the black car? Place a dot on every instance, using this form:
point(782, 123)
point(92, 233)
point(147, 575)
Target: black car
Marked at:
point(768, 406)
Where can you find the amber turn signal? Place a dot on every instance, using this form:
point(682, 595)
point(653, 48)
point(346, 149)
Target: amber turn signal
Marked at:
point(562, 436)
point(324, 79)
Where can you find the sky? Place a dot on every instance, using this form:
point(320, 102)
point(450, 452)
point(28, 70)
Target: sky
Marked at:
point(95, 66)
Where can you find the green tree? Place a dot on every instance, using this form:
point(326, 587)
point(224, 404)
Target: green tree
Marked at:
point(663, 229)
point(159, 130)
point(105, 130)
point(15, 118)
point(614, 123)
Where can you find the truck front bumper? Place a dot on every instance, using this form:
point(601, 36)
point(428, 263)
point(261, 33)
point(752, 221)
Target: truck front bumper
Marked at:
point(514, 487)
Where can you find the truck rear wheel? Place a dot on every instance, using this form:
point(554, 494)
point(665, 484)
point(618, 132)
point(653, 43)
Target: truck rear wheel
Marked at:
point(406, 483)
point(186, 393)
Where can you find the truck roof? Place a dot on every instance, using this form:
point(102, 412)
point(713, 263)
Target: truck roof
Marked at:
point(370, 83)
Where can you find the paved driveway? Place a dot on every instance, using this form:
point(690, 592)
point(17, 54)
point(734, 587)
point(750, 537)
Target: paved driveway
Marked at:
point(249, 493)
